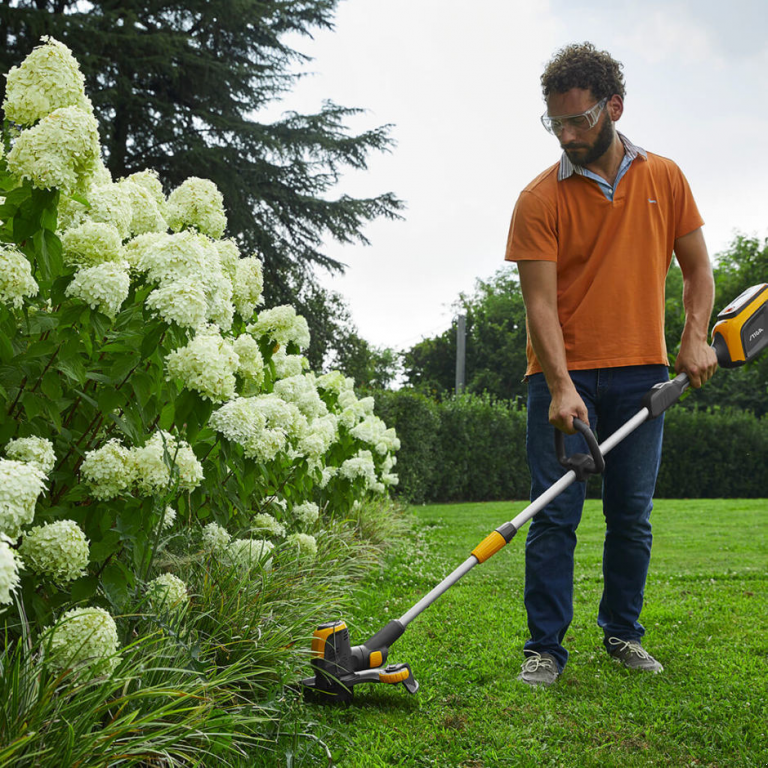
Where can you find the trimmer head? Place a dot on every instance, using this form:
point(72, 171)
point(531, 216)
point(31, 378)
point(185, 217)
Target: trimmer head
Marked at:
point(339, 667)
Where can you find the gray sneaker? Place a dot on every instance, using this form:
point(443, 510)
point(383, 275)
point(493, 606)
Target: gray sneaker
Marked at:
point(632, 655)
point(539, 669)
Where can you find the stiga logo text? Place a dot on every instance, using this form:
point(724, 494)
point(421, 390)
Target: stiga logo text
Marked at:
point(756, 333)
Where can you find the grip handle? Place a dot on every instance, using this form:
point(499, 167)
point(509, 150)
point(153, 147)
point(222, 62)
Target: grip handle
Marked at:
point(581, 463)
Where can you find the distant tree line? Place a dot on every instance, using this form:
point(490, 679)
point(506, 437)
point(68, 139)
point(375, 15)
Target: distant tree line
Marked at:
point(496, 338)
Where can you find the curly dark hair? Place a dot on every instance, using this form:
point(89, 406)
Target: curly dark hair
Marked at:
point(583, 66)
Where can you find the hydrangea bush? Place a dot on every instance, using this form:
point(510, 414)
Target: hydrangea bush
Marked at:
point(146, 390)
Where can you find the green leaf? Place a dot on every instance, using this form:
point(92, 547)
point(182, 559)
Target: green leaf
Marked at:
point(6, 348)
point(109, 544)
point(151, 341)
point(114, 580)
point(84, 588)
point(51, 386)
point(167, 415)
point(73, 368)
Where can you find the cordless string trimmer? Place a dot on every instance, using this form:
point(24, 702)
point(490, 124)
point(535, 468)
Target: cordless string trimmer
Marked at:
point(739, 336)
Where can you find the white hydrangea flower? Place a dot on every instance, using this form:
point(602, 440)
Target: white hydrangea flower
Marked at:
point(111, 204)
point(16, 281)
point(248, 284)
point(306, 513)
point(109, 470)
point(251, 365)
point(215, 538)
point(246, 553)
point(91, 243)
point(389, 479)
point(197, 203)
point(154, 460)
point(169, 518)
point(83, 638)
point(373, 430)
point(289, 365)
point(264, 523)
point(282, 325)
point(20, 485)
point(304, 544)
point(229, 256)
point(189, 467)
point(328, 474)
point(149, 180)
point(104, 287)
point(302, 392)
point(167, 593)
point(58, 550)
point(182, 302)
point(360, 466)
point(207, 364)
point(263, 424)
point(60, 151)
point(321, 435)
point(336, 382)
point(49, 78)
point(146, 213)
point(35, 450)
point(10, 564)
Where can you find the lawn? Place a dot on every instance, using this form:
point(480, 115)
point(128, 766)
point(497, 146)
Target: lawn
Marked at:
point(706, 616)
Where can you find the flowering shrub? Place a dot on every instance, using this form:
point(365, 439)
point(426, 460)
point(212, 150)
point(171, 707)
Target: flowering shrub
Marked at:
point(145, 388)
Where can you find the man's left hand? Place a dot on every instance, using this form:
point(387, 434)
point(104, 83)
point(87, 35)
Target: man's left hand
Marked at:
point(698, 360)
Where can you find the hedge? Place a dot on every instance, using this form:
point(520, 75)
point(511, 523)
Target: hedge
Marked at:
point(472, 448)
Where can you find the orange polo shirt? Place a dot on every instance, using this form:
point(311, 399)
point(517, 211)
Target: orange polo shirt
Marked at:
point(612, 257)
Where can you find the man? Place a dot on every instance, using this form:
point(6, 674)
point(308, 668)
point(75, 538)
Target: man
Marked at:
point(593, 238)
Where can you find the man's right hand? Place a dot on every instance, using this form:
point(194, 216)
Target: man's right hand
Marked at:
point(565, 406)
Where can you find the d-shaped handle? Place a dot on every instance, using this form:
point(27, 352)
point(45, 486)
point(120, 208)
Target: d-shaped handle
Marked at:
point(581, 463)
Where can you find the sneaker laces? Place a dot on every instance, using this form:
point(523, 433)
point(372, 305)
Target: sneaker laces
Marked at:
point(633, 646)
point(534, 661)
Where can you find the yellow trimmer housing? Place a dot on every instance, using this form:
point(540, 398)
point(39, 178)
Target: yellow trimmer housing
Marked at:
point(741, 332)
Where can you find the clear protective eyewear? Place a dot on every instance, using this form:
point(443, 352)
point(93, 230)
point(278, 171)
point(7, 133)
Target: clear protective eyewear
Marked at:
point(581, 122)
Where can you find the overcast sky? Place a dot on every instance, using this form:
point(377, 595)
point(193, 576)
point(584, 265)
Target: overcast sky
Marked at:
point(459, 82)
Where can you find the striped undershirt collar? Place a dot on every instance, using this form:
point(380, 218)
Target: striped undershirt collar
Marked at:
point(567, 168)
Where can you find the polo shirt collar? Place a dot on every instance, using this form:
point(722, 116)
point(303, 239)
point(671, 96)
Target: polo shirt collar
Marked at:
point(631, 151)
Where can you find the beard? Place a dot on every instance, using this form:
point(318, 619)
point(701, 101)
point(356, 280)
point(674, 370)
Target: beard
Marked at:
point(585, 155)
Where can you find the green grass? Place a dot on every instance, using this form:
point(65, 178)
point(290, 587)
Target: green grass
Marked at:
point(706, 616)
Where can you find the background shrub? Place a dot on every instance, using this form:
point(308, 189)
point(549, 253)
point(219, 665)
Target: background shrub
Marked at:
point(472, 448)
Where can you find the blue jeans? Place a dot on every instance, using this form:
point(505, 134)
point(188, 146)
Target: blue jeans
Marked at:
point(612, 396)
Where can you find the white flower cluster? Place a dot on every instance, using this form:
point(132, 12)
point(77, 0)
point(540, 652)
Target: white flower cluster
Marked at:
point(215, 538)
point(146, 205)
point(58, 550)
point(109, 470)
point(20, 485)
point(302, 392)
point(60, 151)
point(361, 466)
point(247, 553)
point(304, 544)
point(250, 362)
point(264, 425)
point(307, 513)
point(169, 518)
point(167, 593)
point(353, 410)
point(10, 563)
point(104, 287)
point(33, 450)
point(335, 382)
point(373, 431)
point(289, 365)
point(83, 639)
point(113, 469)
point(155, 460)
point(16, 281)
point(264, 523)
point(247, 286)
point(197, 203)
point(91, 243)
point(49, 78)
point(283, 325)
point(207, 364)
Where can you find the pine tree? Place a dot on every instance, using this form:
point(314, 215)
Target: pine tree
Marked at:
point(177, 86)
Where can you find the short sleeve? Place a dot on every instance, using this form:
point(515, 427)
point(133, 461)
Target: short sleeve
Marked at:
point(533, 230)
point(687, 216)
